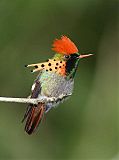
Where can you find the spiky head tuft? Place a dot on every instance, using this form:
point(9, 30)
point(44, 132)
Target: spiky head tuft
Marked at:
point(64, 46)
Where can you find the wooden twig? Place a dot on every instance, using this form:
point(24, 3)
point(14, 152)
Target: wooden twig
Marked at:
point(42, 99)
point(26, 100)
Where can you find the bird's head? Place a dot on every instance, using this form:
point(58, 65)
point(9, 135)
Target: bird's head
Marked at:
point(67, 51)
point(65, 60)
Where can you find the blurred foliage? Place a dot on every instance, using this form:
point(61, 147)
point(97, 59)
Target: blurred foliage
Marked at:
point(85, 126)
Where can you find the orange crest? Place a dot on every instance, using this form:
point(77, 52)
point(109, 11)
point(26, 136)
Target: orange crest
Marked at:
point(64, 46)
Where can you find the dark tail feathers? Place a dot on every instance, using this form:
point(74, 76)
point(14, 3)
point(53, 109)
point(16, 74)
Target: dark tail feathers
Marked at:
point(34, 116)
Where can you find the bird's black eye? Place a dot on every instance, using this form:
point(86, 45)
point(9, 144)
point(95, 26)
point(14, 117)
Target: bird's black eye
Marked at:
point(66, 56)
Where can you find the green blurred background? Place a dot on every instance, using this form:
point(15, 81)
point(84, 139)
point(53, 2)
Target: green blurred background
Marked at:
point(85, 126)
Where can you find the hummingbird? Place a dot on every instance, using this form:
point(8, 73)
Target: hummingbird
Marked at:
point(55, 79)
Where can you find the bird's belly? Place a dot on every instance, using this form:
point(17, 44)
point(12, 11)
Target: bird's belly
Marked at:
point(54, 85)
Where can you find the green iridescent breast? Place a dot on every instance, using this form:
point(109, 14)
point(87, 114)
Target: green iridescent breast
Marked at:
point(53, 85)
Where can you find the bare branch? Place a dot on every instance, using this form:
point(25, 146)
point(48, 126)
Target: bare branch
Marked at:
point(26, 100)
point(42, 99)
